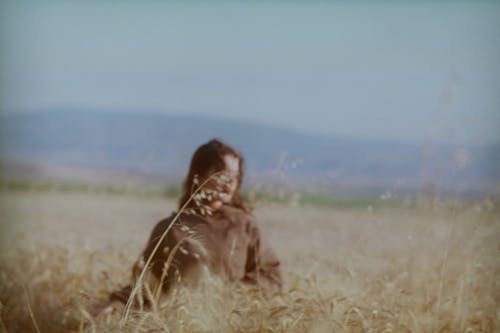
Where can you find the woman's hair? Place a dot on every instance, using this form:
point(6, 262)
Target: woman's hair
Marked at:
point(207, 160)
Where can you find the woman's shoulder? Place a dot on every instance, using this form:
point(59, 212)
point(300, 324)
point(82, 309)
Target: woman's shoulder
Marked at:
point(233, 211)
point(237, 217)
point(178, 220)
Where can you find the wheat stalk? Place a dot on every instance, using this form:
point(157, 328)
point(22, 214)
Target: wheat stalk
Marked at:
point(138, 282)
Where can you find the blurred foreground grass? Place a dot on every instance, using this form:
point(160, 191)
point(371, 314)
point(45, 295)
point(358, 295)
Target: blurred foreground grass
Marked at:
point(346, 268)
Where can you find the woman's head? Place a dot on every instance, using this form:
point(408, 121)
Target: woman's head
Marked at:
point(222, 166)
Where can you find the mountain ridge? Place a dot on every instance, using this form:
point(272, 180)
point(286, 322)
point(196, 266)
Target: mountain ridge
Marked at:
point(162, 144)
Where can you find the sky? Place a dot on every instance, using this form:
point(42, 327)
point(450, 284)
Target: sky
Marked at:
point(396, 71)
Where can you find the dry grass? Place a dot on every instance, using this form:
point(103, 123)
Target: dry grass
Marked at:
point(346, 270)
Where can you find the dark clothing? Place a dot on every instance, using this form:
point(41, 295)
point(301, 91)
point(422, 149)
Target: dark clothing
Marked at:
point(229, 244)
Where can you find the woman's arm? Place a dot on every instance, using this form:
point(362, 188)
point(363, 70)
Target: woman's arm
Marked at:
point(263, 265)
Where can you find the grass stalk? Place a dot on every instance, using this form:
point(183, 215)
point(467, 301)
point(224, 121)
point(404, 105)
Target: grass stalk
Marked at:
point(30, 310)
point(155, 249)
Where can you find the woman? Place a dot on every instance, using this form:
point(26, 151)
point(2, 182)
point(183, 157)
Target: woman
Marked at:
point(213, 228)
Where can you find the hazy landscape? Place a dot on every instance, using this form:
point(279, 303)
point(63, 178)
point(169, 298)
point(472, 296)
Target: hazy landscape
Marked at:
point(147, 147)
point(374, 237)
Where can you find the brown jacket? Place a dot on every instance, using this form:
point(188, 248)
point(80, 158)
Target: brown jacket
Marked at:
point(229, 244)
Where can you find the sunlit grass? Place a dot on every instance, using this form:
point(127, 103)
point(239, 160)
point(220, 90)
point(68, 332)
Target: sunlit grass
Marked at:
point(429, 268)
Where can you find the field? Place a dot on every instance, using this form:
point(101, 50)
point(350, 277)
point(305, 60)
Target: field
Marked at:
point(417, 268)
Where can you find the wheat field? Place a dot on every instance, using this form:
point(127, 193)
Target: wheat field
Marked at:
point(421, 268)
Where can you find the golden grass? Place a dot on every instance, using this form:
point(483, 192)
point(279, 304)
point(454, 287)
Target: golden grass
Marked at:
point(345, 270)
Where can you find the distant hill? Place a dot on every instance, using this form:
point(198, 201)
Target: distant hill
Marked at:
point(159, 146)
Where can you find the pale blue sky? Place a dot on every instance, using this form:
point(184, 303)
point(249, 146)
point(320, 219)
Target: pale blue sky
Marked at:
point(391, 70)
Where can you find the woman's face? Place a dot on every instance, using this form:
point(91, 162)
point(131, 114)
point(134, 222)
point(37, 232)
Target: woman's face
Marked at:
point(229, 183)
point(232, 171)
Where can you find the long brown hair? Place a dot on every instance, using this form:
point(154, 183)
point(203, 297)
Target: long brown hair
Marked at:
point(207, 160)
